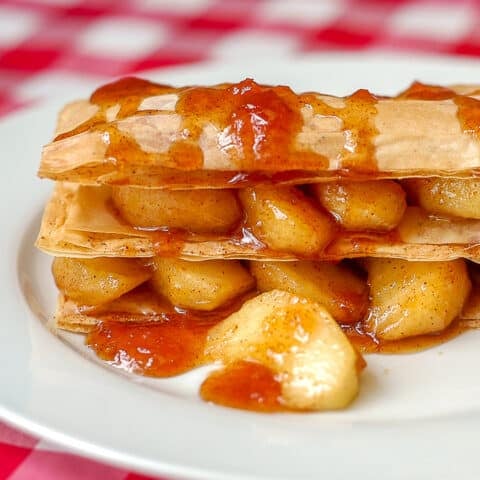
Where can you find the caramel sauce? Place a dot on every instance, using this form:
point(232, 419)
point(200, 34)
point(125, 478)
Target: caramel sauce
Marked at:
point(173, 343)
point(468, 112)
point(257, 123)
point(358, 118)
point(176, 344)
point(469, 115)
point(420, 91)
point(257, 126)
point(141, 333)
point(127, 93)
point(160, 349)
point(244, 385)
point(366, 342)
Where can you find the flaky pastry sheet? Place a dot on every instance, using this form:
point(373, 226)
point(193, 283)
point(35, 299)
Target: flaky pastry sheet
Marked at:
point(79, 221)
point(136, 138)
point(137, 307)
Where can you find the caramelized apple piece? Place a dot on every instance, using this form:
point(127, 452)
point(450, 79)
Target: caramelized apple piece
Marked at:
point(299, 341)
point(414, 298)
point(343, 293)
point(375, 205)
point(97, 280)
point(459, 197)
point(200, 285)
point(285, 220)
point(198, 211)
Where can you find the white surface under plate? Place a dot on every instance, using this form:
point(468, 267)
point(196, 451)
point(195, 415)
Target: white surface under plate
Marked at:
point(417, 415)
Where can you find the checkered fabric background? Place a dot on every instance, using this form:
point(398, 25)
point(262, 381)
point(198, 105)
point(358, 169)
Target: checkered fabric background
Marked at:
point(48, 46)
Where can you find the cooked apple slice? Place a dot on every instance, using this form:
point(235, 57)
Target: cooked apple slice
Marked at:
point(373, 205)
point(414, 298)
point(459, 197)
point(285, 220)
point(198, 211)
point(299, 341)
point(97, 280)
point(200, 285)
point(342, 292)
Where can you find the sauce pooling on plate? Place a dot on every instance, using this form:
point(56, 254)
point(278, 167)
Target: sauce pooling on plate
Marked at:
point(174, 344)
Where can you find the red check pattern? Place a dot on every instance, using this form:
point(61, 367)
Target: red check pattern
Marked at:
point(49, 45)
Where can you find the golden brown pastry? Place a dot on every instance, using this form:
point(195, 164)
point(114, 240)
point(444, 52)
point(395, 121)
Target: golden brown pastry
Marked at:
point(134, 132)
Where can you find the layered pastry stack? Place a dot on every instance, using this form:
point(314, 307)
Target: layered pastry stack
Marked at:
point(277, 235)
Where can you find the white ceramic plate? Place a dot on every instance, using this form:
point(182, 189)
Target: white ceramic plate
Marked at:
point(417, 416)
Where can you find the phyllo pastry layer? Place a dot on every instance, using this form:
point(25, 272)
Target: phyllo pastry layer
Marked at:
point(134, 132)
point(327, 221)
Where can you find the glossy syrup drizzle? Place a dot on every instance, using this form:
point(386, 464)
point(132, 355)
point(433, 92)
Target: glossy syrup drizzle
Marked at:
point(366, 342)
point(468, 108)
point(174, 345)
point(358, 118)
point(257, 127)
point(257, 123)
point(127, 93)
point(244, 385)
point(158, 349)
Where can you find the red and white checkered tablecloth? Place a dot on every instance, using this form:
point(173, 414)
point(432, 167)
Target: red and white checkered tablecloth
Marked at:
point(48, 46)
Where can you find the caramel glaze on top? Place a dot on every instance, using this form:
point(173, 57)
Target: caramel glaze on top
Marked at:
point(468, 112)
point(258, 124)
point(358, 117)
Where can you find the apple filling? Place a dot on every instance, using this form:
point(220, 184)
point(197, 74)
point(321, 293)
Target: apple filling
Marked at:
point(165, 316)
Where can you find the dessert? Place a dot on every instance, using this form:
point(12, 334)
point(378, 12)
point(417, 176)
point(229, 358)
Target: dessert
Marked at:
point(280, 236)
